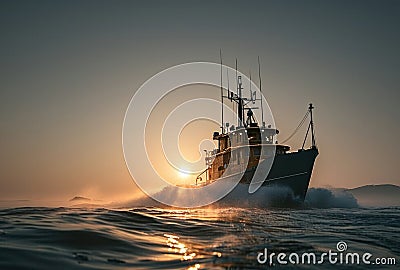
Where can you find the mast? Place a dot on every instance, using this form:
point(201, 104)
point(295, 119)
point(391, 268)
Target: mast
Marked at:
point(222, 97)
point(310, 108)
point(239, 101)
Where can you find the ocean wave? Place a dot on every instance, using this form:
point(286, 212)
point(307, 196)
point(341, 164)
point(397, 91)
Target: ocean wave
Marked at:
point(326, 198)
point(170, 238)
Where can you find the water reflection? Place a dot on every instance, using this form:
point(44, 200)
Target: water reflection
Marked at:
point(175, 246)
point(194, 267)
point(178, 247)
point(152, 238)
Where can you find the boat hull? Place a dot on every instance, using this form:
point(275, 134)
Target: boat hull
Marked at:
point(289, 170)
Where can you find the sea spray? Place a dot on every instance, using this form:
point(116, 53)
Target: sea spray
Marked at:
point(266, 196)
point(327, 198)
point(271, 196)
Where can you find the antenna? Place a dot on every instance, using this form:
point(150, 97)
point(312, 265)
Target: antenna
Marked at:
point(240, 101)
point(259, 77)
point(222, 97)
point(237, 93)
point(227, 76)
point(229, 92)
point(236, 67)
point(251, 93)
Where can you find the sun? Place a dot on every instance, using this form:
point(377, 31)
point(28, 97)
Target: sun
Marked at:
point(183, 174)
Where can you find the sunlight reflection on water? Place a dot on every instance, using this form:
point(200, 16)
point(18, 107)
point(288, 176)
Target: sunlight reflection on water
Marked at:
point(159, 238)
point(177, 247)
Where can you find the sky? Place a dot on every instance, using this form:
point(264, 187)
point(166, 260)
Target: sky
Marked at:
point(68, 70)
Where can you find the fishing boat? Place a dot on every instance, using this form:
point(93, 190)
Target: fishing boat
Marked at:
point(250, 152)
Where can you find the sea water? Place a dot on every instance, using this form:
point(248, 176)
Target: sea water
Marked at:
point(205, 238)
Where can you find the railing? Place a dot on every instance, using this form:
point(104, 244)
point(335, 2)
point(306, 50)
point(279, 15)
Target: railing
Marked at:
point(199, 178)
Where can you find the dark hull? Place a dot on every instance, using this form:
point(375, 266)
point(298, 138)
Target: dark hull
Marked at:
point(290, 170)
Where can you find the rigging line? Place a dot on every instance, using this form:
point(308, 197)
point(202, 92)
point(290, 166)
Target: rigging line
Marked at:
point(305, 138)
point(297, 128)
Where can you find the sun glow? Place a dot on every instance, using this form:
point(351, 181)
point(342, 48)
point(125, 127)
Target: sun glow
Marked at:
point(182, 174)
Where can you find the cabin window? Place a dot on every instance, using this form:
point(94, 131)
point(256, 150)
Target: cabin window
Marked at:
point(256, 152)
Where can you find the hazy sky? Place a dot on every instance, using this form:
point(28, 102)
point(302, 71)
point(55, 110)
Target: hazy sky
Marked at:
point(69, 69)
